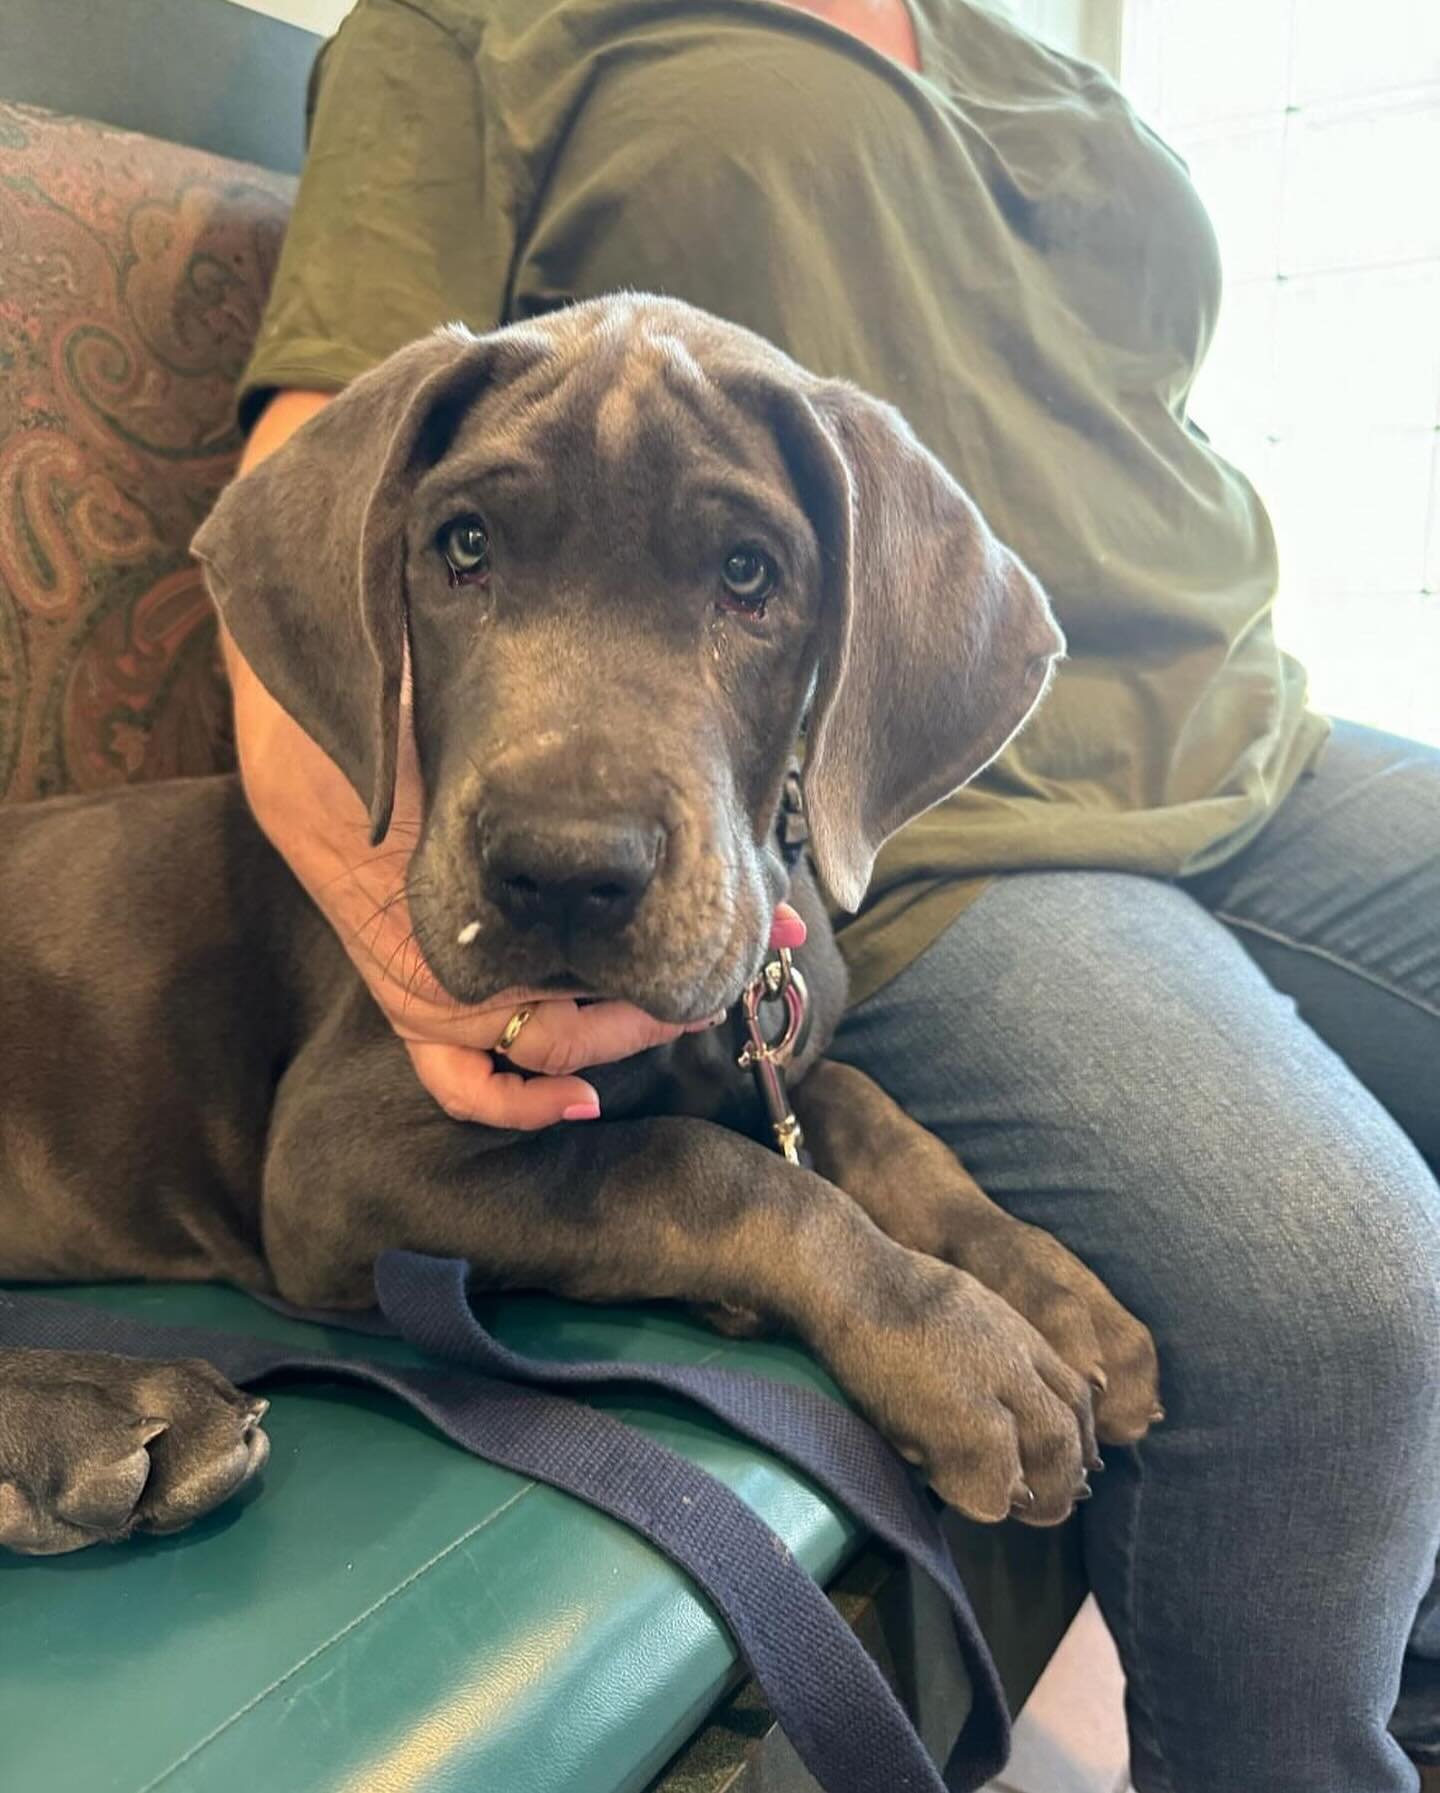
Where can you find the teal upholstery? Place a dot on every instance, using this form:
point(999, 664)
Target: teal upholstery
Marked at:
point(385, 1612)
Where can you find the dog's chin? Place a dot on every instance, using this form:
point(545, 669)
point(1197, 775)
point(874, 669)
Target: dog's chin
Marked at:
point(680, 1002)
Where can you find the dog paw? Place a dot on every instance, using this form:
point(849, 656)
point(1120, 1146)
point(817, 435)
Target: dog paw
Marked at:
point(94, 1447)
point(1077, 1315)
point(970, 1392)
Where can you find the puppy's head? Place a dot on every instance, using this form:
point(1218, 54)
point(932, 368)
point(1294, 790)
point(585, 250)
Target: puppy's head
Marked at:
point(628, 548)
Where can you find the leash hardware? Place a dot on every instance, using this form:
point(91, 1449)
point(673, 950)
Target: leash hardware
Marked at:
point(778, 981)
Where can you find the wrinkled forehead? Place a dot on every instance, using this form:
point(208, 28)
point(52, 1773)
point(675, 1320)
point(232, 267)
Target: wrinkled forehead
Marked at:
point(635, 412)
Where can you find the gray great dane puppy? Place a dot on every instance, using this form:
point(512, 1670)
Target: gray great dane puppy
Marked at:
point(629, 548)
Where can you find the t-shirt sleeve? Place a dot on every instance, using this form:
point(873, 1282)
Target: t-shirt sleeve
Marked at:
point(385, 240)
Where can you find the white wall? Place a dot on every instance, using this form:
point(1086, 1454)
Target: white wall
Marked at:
point(1314, 152)
point(321, 16)
point(1089, 28)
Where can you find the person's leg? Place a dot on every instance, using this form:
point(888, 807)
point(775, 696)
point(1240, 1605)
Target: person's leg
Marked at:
point(1338, 902)
point(1110, 1065)
point(1417, 1715)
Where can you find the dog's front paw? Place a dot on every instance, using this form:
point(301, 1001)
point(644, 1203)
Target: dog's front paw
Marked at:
point(94, 1447)
point(1076, 1313)
point(970, 1392)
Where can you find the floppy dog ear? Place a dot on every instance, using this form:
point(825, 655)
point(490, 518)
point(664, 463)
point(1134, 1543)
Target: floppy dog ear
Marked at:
point(936, 642)
point(304, 556)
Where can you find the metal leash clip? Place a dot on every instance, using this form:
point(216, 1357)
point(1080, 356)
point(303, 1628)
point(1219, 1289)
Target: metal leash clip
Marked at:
point(779, 981)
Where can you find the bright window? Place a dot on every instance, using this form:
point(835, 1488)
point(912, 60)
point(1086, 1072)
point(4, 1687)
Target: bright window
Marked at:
point(1312, 129)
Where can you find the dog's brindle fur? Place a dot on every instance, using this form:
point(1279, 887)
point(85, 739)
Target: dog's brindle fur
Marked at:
point(198, 1086)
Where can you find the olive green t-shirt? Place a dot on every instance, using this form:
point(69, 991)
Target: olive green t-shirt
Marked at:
point(997, 245)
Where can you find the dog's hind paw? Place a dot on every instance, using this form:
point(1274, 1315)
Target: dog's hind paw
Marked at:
point(94, 1447)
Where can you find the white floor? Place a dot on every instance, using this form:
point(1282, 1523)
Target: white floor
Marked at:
point(1070, 1736)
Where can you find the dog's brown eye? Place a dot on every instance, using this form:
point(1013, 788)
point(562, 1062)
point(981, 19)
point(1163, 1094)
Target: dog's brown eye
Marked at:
point(749, 579)
point(465, 543)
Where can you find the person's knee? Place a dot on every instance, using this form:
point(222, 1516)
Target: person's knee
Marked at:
point(1378, 1334)
point(1113, 1068)
point(1321, 1330)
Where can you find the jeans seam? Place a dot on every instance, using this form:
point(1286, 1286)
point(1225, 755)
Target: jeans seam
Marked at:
point(1138, 1681)
point(1320, 952)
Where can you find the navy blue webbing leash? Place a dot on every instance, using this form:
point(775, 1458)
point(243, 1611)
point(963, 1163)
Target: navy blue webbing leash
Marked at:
point(840, 1714)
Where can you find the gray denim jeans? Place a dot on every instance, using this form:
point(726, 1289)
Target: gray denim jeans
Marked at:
point(1222, 1097)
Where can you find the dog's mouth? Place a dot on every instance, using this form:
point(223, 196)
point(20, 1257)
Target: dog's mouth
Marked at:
point(676, 980)
point(565, 983)
point(678, 995)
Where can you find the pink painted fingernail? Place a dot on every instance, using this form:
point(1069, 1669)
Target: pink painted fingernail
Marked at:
point(787, 930)
point(581, 1111)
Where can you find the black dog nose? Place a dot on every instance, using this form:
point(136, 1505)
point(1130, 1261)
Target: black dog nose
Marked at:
point(570, 874)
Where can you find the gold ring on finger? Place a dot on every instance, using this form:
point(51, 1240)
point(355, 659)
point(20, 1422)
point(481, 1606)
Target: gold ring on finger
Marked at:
point(512, 1030)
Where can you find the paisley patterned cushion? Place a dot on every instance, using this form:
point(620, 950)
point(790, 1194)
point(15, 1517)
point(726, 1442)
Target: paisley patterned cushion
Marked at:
point(132, 275)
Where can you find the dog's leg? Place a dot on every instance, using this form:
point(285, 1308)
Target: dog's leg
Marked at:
point(95, 1446)
point(913, 1186)
point(680, 1209)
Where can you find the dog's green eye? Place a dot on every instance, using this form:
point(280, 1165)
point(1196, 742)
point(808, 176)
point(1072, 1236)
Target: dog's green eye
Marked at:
point(749, 579)
point(465, 543)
